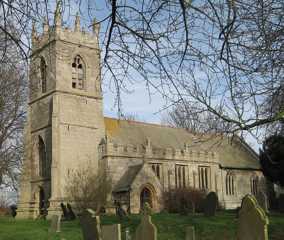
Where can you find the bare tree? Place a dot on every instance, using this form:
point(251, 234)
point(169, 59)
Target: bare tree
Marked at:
point(88, 189)
point(225, 55)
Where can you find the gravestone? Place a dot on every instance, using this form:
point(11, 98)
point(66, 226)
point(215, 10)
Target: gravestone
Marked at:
point(90, 224)
point(189, 233)
point(120, 211)
point(71, 214)
point(54, 224)
point(262, 200)
point(281, 203)
point(210, 204)
point(127, 234)
point(64, 211)
point(111, 232)
point(252, 222)
point(146, 229)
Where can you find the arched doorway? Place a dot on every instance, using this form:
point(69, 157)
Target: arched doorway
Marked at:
point(146, 196)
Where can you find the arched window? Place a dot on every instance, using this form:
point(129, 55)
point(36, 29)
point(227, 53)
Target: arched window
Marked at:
point(230, 184)
point(78, 73)
point(44, 164)
point(43, 74)
point(254, 184)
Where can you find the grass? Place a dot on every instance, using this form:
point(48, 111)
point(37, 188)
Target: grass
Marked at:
point(170, 226)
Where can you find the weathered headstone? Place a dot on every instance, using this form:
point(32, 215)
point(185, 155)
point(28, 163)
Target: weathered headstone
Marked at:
point(71, 214)
point(146, 229)
point(111, 232)
point(262, 200)
point(189, 233)
point(252, 222)
point(90, 224)
point(281, 203)
point(54, 224)
point(210, 204)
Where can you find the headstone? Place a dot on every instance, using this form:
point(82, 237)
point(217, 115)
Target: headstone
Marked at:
point(127, 234)
point(147, 210)
point(281, 203)
point(71, 214)
point(189, 233)
point(90, 224)
point(146, 229)
point(210, 204)
point(13, 210)
point(54, 224)
point(252, 222)
point(64, 211)
point(111, 232)
point(262, 200)
point(120, 211)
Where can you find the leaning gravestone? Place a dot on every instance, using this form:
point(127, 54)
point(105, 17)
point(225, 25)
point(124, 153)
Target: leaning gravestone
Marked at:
point(252, 222)
point(54, 224)
point(262, 200)
point(111, 232)
point(146, 229)
point(210, 204)
point(90, 224)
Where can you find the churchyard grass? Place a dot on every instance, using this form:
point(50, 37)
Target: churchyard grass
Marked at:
point(170, 227)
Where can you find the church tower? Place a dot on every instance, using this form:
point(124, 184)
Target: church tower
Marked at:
point(65, 114)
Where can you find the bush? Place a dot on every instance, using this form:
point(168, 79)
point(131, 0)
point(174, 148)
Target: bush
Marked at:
point(184, 200)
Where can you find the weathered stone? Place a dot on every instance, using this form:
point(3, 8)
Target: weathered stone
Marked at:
point(111, 232)
point(262, 200)
point(146, 229)
point(210, 204)
point(54, 224)
point(90, 225)
point(252, 222)
point(189, 233)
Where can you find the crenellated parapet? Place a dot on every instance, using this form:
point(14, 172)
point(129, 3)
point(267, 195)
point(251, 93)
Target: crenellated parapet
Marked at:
point(148, 152)
point(57, 31)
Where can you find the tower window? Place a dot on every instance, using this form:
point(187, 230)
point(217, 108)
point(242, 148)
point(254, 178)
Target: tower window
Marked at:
point(43, 74)
point(78, 74)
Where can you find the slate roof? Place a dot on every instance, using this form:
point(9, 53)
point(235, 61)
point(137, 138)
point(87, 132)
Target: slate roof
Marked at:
point(232, 154)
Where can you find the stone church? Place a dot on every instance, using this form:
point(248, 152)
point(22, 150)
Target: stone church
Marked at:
point(66, 130)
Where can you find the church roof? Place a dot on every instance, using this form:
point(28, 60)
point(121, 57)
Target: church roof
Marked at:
point(126, 180)
point(232, 154)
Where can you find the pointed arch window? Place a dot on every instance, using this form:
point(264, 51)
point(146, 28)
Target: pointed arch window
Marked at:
point(43, 74)
point(78, 73)
point(230, 184)
point(44, 164)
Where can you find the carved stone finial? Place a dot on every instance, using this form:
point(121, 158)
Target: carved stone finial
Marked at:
point(77, 23)
point(96, 27)
point(57, 14)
